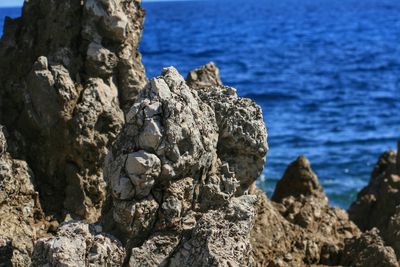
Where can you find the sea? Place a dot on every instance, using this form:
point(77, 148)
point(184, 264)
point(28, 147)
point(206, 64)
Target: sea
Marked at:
point(325, 72)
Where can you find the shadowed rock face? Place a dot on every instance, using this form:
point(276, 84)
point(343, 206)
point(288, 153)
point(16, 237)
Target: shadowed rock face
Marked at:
point(368, 250)
point(299, 180)
point(378, 204)
point(21, 215)
point(78, 68)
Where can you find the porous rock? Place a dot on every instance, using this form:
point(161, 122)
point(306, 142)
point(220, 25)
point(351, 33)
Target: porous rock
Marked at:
point(378, 204)
point(78, 244)
point(303, 228)
point(21, 216)
point(368, 250)
point(192, 201)
point(242, 140)
point(78, 68)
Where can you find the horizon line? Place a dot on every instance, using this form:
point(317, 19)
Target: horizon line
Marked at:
point(148, 1)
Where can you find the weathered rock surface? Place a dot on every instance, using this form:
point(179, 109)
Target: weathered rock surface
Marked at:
point(368, 250)
point(178, 187)
point(242, 140)
point(78, 244)
point(300, 228)
point(78, 68)
point(175, 195)
point(378, 204)
point(20, 211)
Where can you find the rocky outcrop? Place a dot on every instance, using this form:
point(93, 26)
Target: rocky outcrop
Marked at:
point(368, 250)
point(21, 216)
point(204, 77)
point(300, 228)
point(78, 244)
point(181, 160)
point(78, 69)
point(177, 198)
point(378, 204)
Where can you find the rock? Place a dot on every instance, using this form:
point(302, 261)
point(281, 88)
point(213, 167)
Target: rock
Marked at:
point(204, 77)
point(299, 179)
point(301, 224)
point(191, 209)
point(378, 204)
point(21, 216)
point(76, 244)
point(368, 250)
point(240, 123)
point(78, 69)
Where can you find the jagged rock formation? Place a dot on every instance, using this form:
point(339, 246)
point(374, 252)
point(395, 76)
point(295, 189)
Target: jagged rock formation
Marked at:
point(300, 228)
point(378, 204)
point(368, 250)
point(20, 211)
point(175, 195)
point(78, 244)
point(178, 187)
point(78, 68)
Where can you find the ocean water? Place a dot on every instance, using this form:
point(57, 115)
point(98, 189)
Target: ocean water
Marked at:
point(325, 72)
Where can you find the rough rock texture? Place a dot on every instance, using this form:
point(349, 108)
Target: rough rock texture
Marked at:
point(20, 210)
point(242, 141)
point(300, 229)
point(76, 244)
point(176, 198)
point(368, 250)
point(78, 68)
point(378, 204)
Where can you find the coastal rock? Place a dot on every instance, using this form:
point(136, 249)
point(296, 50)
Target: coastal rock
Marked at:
point(368, 250)
point(21, 216)
point(204, 77)
point(78, 69)
point(76, 244)
point(191, 210)
point(242, 141)
point(306, 230)
point(378, 204)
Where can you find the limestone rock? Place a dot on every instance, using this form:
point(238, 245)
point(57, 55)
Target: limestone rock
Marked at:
point(300, 229)
point(378, 204)
point(78, 68)
point(240, 123)
point(204, 77)
point(368, 250)
point(21, 216)
point(77, 244)
point(299, 179)
point(175, 199)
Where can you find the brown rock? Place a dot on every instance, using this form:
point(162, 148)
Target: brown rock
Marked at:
point(301, 225)
point(368, 250)
point(378, 203)
point(21, 216)
point(204, 77)
point(78, 68)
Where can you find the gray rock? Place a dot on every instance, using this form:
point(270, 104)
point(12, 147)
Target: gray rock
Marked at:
point(189, 208)
point(76, 244)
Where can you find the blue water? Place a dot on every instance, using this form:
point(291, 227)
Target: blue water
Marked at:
point(325, 72)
